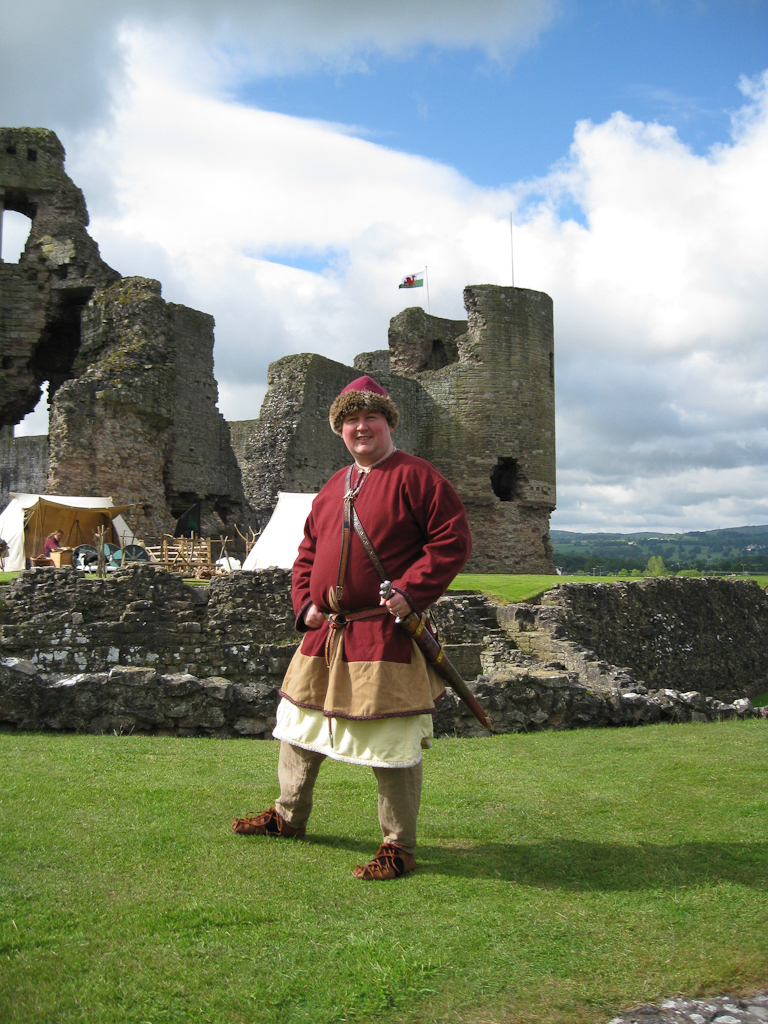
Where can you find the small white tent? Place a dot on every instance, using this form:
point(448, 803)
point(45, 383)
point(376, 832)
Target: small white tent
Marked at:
point(279, 542)
point(30, 518)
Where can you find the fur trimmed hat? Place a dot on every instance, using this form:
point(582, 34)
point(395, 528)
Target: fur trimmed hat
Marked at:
point(363, 393)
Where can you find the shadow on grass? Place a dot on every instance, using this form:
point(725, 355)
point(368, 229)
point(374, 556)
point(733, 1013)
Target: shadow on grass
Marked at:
point(343, 843)
point(609, 867)
point(586, 867)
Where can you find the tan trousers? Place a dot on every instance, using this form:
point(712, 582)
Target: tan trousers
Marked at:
point(399, 794)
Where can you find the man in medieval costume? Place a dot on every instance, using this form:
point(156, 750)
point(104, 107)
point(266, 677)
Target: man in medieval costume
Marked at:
point(358, 688)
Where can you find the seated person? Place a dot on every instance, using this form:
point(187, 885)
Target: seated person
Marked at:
point(53, 542)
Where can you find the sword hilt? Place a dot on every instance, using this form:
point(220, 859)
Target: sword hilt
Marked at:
point(387, 590)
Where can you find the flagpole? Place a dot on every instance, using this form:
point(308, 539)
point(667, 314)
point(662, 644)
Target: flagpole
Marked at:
point(512, 249)
point(426, 278)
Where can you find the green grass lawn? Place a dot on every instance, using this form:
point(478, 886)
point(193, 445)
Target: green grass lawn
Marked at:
point(511, 589)
point(507, 587)
point(562, 876)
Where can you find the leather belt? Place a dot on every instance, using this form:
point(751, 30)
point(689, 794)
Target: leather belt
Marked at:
point(339, 621)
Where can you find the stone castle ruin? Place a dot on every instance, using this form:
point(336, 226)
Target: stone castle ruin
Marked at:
point(132, 394)
point(476, 398)
point(131, 390)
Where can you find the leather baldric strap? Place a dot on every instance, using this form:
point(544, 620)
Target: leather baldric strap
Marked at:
point(350, 521)
point(350, 494)
point(369, 548)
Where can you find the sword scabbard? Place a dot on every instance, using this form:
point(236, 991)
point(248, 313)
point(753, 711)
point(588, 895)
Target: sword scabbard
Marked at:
point(415, 624)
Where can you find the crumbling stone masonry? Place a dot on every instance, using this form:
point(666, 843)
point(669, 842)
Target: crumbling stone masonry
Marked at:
point(131, 388)
point(476, 399)
point(142, 652)
point(23, 464)
point(42, 295)
point(133, 398)
point(708, 634)
point(138, 419)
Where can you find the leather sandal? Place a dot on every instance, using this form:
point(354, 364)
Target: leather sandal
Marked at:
point(268, 823)
point(390, 861)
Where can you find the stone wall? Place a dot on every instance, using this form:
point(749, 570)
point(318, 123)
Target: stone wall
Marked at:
point(202, 463)
point(142, 651)
point(110, 425)
point(495, 437)
point(41, 296)
point(138, 420)
point(127, 700)
point(23, 464)
point(476, 399)
point(420, 342)
point(241, 626)
point(709, 634)
point(292, 447)
point(132, 393)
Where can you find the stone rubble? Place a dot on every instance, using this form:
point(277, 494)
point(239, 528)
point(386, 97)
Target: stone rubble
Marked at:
point(703, 634)
point(718, 1010)
point(132, 394)
point(451, 381)
point(141, 651)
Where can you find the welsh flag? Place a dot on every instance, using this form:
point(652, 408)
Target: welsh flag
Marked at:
point(413, 281)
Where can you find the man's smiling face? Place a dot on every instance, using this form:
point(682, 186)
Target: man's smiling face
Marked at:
point(368, 436)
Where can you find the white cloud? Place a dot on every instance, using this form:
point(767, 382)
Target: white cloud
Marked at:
point(35, 422)
point(62, 63)
point(661, 322)
point(660, 301)
point(15, 231)
point(660, 307)
point(215, 195)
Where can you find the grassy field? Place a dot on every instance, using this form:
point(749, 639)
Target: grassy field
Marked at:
point(562, 876)
point(510, 588)
point(527, 588)
point(507, 587)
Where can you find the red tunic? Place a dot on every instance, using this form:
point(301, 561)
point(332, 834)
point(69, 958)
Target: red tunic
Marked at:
point(418, 527)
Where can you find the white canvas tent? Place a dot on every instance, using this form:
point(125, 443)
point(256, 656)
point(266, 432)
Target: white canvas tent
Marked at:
point(279, 542)
point(30, 518)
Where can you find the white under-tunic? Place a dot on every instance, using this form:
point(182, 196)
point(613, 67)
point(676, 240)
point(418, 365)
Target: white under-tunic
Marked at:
point(378, 742)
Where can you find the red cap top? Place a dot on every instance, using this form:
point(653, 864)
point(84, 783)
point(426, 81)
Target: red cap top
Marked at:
point(365, 384)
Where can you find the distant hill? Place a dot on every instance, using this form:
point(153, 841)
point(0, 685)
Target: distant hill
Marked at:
point(741, 547)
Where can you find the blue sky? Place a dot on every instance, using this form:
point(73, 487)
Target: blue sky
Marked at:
point(499, 120)
point(282, 166)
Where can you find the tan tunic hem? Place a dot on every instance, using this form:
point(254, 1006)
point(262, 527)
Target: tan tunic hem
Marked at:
point(361, 690)
point(359, 718)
